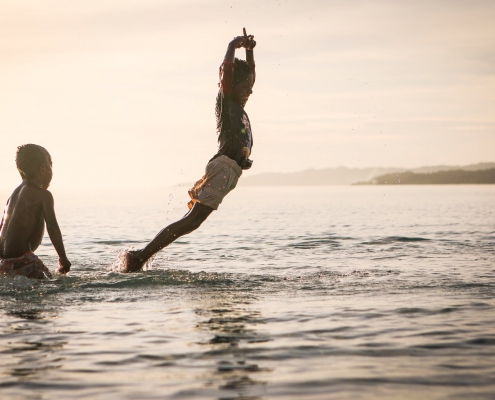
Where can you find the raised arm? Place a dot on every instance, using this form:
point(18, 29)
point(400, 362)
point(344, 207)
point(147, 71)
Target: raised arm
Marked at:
point(54, 232)
point(227, 67)
point(234, 44)
point(249, 44)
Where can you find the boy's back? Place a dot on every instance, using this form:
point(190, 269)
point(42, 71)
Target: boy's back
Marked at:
point(23, 224)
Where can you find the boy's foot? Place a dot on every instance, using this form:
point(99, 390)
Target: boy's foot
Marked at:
point(132, 262)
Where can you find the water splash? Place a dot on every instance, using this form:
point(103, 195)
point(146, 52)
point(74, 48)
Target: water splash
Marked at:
point(119, 264)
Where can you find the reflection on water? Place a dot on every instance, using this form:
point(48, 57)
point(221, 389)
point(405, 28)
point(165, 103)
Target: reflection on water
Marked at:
point(232, 323)
point(29, 348)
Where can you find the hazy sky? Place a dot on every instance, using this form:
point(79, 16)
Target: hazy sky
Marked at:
point(122, 93)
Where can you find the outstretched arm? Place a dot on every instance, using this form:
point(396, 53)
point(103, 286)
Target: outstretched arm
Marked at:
point(246, 41)
point(249, 44)
point(227, 67)
point(54, 232)
point(234, 44)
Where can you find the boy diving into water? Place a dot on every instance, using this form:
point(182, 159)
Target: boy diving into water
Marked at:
point(224, 169)
point(23, 221)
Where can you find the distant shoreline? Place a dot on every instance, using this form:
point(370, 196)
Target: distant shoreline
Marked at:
point(372, 176)
point(454, 177)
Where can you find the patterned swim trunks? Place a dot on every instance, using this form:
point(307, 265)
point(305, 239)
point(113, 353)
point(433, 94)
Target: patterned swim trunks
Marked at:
point(29, 265)
point(221, 176)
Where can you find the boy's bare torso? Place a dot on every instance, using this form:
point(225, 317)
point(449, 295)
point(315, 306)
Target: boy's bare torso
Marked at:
point(23, 221)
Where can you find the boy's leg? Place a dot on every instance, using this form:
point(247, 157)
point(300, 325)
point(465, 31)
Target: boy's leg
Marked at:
point(191, 221)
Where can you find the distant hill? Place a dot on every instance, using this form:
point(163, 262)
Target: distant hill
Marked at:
point(470, 167)
point(316, 177)
point(343, 175)
point(448, 177)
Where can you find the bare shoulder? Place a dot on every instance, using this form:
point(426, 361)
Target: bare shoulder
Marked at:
point(46, 198)
point(29, 195)
point(46, 195)
point(14, 197)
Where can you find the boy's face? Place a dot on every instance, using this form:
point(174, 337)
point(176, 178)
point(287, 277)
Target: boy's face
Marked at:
point(243, 89)
point(46, 172)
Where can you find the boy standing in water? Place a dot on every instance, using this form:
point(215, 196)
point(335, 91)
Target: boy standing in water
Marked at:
point(224, 169)
point(23, 221)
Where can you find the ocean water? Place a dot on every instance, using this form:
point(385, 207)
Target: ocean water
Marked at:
point(284, 293)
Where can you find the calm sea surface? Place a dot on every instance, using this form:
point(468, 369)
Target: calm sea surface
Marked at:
point(288, 293)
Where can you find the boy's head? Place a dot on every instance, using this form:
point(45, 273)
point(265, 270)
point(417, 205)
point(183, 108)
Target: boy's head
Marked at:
point(34, 161)
point(242, 85)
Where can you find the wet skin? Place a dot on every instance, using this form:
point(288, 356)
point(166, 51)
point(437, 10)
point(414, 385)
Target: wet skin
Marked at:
point(134, 260)
point(23, 221)
point(24, 224)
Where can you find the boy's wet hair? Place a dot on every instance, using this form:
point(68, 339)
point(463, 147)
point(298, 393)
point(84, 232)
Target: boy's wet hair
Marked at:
point(241, 71)
point(29, 158)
